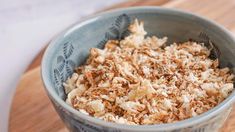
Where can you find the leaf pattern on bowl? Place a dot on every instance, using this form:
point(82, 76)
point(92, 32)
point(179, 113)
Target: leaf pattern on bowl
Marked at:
point(64, 68)
point(200, 130)
point(215, 52)
point(118, 31)
point(64, 61)
point(58, 77)
point(65, 65)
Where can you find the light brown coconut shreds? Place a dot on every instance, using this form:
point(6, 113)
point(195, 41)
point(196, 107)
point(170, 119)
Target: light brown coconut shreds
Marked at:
point(135, 81)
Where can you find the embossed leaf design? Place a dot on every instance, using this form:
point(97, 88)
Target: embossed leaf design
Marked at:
point(72, 64)
point(204, 36)
point(102, 43)
point(115, 130)
point(60, 59)
point(58, 77)
point(118, 30)
point(112, 34)
point(69, 66)
point(122, 23)
point(215, 52)
point(61, 66)
point(58, 82)
point(200, 130)
point(67, 50)
point(61, 63)
point(80, 128)
point(64, 61)
point(64, 68)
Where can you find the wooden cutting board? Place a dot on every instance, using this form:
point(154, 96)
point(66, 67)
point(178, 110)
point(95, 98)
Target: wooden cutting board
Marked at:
point(31, 109)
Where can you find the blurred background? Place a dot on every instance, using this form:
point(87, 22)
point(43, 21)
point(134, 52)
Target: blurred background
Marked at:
point(26, 27)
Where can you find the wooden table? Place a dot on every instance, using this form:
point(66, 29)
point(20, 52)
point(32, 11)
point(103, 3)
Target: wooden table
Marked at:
point(31, 109)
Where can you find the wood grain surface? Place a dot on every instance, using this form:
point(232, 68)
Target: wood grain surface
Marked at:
point(31, 109)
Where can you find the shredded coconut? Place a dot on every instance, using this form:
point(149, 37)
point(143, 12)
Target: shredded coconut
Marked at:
point(139, 80)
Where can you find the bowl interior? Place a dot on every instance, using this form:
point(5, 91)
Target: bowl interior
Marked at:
point(71, 48)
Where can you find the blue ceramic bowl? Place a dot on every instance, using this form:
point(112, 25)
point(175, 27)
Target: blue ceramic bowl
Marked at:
point(70, 49)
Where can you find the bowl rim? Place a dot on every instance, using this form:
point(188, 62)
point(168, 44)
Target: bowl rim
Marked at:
point(138, 128)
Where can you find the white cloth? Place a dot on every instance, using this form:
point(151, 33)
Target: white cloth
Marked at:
point(25, 27)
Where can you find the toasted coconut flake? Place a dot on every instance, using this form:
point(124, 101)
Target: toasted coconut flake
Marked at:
point(226, 89)
point(69, 85)
point(83, 111)
point(75, 92)
point(96, 105)
point(132, 106)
